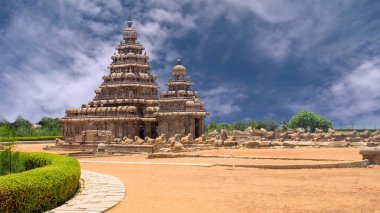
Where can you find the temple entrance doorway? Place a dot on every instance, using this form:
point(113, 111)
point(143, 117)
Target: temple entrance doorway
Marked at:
point(196, 130)
point(142, 132)
point(154, 133)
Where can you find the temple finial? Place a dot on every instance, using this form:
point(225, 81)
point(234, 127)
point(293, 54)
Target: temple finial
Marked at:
point(130, 21)
point(179, 61)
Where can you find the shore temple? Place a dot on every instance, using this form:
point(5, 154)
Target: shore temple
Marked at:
point(127, 103)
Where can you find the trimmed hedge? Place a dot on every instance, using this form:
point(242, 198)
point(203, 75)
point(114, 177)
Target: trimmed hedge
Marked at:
point(32, 138)
point(49, 182)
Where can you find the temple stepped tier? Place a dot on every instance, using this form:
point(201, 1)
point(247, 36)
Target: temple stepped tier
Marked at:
point(180, 110)
point(126, 104)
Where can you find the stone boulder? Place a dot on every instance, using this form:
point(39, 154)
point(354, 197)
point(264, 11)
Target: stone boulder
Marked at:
point(306, 143)
point(101, 146)
point(317, 136)
point(328, 136)
point(230, 143)
point(187, 139)
point(212, 134)
point(218, 143)
point(200, 140)
point(269, 135)
point(377, 132)
point(126, 141)
point(372, 154)
point(290, 144)
point(338, 144)
point(364, 134)
point(330, 130)
point(350, 134)
point(176, 146)
point(375, 138)
point(161, 139)
point(251, 144)
point(306, 136)
point(265, 144)
point(139, 141)
point(318, 130)
point(223, 134)
point(283, 135)
point(276, 143)
point(338, 136)
point(59, 142)
point(373, 144)
point(149, 140)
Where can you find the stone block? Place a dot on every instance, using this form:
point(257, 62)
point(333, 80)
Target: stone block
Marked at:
point(276, 143)
point(338, 144)
point(230, 143)
point(373, 144)
point(265, 143)
point(290, 144)
point(358, 144)
point(251, 144)
point(306, 143)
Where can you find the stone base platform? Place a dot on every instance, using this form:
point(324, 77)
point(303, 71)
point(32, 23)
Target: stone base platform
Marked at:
point(107, 149)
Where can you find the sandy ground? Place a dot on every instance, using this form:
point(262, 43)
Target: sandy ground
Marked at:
point(166, 188)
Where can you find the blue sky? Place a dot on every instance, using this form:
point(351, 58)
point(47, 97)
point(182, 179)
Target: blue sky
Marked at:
point(250, 60)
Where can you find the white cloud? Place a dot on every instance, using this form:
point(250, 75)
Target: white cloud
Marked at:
point(51, 65)
point(55, 59)
point(273, 11)
point(353, 96)
point(223, 100)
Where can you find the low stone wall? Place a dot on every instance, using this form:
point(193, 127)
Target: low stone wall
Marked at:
point(318, 165)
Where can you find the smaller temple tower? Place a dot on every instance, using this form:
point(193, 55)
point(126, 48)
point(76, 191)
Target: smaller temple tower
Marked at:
point(180, 110)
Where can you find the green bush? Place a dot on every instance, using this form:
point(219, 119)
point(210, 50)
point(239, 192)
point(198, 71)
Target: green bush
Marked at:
point(32, 138)
point(309, 121)
point(51, 180)
point(22, 127)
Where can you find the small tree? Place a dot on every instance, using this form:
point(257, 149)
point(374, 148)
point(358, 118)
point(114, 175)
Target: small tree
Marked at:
point(9, 158)
point(284, 126)
point(309, 121)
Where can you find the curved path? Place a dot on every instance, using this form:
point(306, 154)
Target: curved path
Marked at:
point(98, 193)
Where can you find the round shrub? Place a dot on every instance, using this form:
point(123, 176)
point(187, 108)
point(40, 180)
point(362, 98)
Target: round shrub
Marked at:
point(49, 182)
point(309, 121)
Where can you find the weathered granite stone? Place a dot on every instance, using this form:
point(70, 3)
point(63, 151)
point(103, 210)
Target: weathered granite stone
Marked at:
point(149, 140)
point(372, 154)
point(139, 141)
point(59, 142)
point(161, 139)
point(230, 143)
point(290, 144)
point(251, 144)
point(200, 140)
point(364, 134)
point(265, 143)
point(337, 144)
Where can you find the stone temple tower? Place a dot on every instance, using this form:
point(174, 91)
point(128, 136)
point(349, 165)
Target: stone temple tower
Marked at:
point(126, 104)
point(180, 110)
